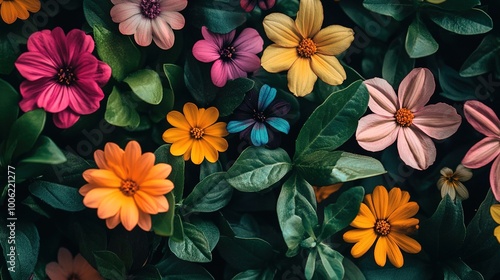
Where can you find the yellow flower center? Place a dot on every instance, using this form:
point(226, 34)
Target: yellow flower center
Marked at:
point(129, 187)
point(404, 117)
point(197, 133)
point(306, 48)
point(382, 227)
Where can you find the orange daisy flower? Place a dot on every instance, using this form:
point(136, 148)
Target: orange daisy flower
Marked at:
point(324, 192)
point(10, 10)
point(195, 134)
point(69, 268)
point(385, 219)
point(128, 187)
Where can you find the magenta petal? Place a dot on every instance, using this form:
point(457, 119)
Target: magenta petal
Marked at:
point(248, 5)
point(50, 44)
point(482, 153)
point(65, 119)
point(85, 66)
point(54, 98)
point(78, 42)
point(495, 178)
point(266, 4)
point(416, 149)
point(416, 89)
point(375, 133)
point(438, 121)
point(248, 62)
point(221, 40)
point(28, 104)
point(33, 89)
point(34, 66)
point(249, 40)
point(103, 73)
point(482, 118)
point(163, 35)
point(382, 97)
point(219, 73)
point(206, 51)
point(85, 97)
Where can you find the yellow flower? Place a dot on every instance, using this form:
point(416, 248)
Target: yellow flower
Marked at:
point(127, 187)
point(196, 135)
point(495, 214)
point(451, 182)
point(385, 219)
point(10, 10)
point(324, 192)
point(68, 267)
point(303, 48)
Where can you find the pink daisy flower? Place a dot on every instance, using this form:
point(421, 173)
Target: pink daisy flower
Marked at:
point(233, 57)
point(149, 20)
point(62, 75)
point(249, 5)
point(406, 118)
point(484, 120)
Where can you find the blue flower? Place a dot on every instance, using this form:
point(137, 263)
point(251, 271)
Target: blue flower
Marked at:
point(260, 118)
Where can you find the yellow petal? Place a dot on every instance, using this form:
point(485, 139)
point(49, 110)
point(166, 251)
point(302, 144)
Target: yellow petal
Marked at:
point(301, 78)
point(176, 119)
point(333, 40)
point(364, 219)
point(495, 212)
point(172, 135)
point(208, 117)
point(220, 144)
point(282, 30)
point(191, 113)
point(380, 201)
point(381, 251)
point(328, 69)
point(276, 58)
point(129, 213)
point(395, 196)
point(181, 147)
point(309, 17)
point(355, 235)
point(404, 211)
point(197, 152)
point(404, 242)
point(394, 254)
point(363, 245)
point(496, 232)
point(217, 129)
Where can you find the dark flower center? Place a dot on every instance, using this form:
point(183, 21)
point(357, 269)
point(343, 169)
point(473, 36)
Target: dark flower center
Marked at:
point(382, 227)
point(197, 133)
point(227, 53)
point(306, 48)
point(259, 116)
point(150, 8)
point(66, 76)
point(73, 276)
point(404, 117)
point(129, 187)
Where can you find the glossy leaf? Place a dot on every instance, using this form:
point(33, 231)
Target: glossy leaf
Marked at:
point(293, 232)
point(231, 95)
point(397, 63)
point(310, 267)
point(198, 81)
point(97, 13)
point(470, 22)
point(209, 229)
point(245, 253)
point(458, 5)
point(24, 133)
point(456, 269)
point(9, 108)
point(352, 272)
point(399, 10)
point(194, 247)
point(109, 265)
point(163, 155)
point(456, 87)
point(251, 274)
point(58, 196)
point(163, 223)
point(209, 195)
point(482, 60)
point(173, 268)
point(146, 85)
point(218, 16)
point(120, 110)
point(331, 261)
point(419, 41)
point(208, 168)
point(174, 74)
point(44, 151)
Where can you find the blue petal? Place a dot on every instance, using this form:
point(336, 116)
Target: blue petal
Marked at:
point(266, 96)
point(238, 126)
point(259, 135)
point(279, 124)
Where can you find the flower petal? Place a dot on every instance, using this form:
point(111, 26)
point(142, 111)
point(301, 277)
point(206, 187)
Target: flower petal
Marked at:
point(438, 121)
point(218, 143)
point(143, 35)
point(415, 148)
point(223, 71)
point(482, 118)
point(380, 253)
point(463, 173)
point(328, 69)
point(94, 197)
point(77, 43)
point(220, 40)
point(124, 11)
point(181, 146)
point(172, 135)
point(55, 272)
point(495, 178)
point(173, 5)
point(102, 177)
point(31, 5)
point(246, 61)
point(383, 100)
point(145, 202)
point(175, 20)
point(301, 77)
point(144, 221)
point(163, 35)
point(394, 254)
point(217, 129)
point(197, 152)
point(208, 117)
point(276, 58)
point(259, 134)
point(355, 235)
point(309, 17)
point(281, 29)
point(365, 218)
point(129, 26)
point(416, 89)
point(65, 259)
point(482, 153)
point(65, 119)
point(110, 205)
point(361, 247)
point(375, 133)
point(279, 124)
point(495, 213)
point(380, 202)
point(404, 212)
point(206, 51)
point(461, 191)
point(404, 242)
point(333, 39)
point(190, 111)
point(238, 126)
point(129, 213)
point(112, 222)
point(55, 98)
point(85, 97)
point(34, 66)
point(210, 152)
point(177, 119)
point(157, 187)
point(249, 41)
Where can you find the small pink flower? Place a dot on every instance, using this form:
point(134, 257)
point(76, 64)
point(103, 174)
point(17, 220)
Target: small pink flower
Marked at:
point(233, 57)
point(484, 120)
point(405, 118)
point(249, 5)
point(149, 20)
point(63, 77)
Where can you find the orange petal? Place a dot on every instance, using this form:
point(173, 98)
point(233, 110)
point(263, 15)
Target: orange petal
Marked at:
point(86, 188)
point(364, 244)
point(369, 202)
point(364, 219)
point(145, 202)
point(355, 235)
point(157, 186)
point(191, 113)
point(381, 251)
point(144, 221)
point(394, 254)
point(176, 119)
point(404, 224)
point(100, 159)
point(158, 171)
point(112, 222)
point(277, 58)
point(208, 117)
point(129, 213)
point(162, 203)
point(95, 196)
point(403, 212)
point(31, 5)
point(301, 78)
point(181, 147)
point(404, 242)
point(110, 205)
point(333, 40)
point(114, 157)
point(65, 260)
point(282, 30)
point(217, 130)
point(142, 167)
point(102, 178)
point(131, 156)
point(218, 143)
point(197, 152)
point(395, 196)
point(172, 135)
point(55, 272)
point(380, 202)
point(309, 17)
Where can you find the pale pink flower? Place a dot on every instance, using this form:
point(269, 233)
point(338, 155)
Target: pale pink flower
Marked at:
point(149, 20)
point(484, 120)
point(63, 77)
point(406, 118)
point(234, 57)
point(68, 267)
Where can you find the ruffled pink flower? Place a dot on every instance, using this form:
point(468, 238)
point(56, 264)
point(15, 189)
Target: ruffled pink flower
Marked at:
point(62, 75)
point(484, 120)
point(234, 57)
point(406, 118)
point(249, 5)
point(149, 20)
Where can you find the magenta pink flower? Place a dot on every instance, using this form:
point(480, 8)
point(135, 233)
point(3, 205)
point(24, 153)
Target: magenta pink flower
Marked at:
point(484, 120)
point(406, 118)
point(63, 77)
point(249, 5)
point(233, 57)
point(149, 20)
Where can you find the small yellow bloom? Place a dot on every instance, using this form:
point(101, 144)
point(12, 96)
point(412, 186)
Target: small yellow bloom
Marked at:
point(385, 219)
point(10, 10)
point(450, 182)
point(195, 134)
point(495, 214)
point(324, 192)
point(304, 49)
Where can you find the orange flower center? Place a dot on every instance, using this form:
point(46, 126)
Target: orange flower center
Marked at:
point(382, 227)
point(404, 117)
point(197, 133)
point(66, 76)
point(129, 187)
point(306, 48)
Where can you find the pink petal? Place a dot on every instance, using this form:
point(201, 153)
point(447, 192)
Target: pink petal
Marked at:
point(103, 73)
point(65, 119)
point(206, 51)
point(163, 35)
point(416, 89)
point(54, 98)
point(129, 26)
point(144, 34)
point(482, 153)
point(438, 121)
point(85, 66)
point(223, 71)
point(495, 178)
point(85, 97)
point(174, 19)
point(221, 40)
point(415, 148)
point(375, 132)
point(33, 66)
point(28, 104)
point(249, 40)
point(51, 44)
point(382, 97)
point(124, 11)
point(248, 5)
point(266, 4)
point(173, 5)
point(482, 118)
point(248, 62)
point(77, 43)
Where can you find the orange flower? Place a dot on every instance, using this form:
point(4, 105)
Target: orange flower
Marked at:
point(196, 135)
point(69, 268)
point(324, 192)
point(127, 187)
point(10, 10)
point(385, 219)
point(495, 214)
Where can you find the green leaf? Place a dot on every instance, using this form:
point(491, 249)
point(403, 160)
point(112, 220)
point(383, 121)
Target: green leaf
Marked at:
point(194, 247)
point(148, 272)
point(444, 232)
point(209, 195)
point(483, 59)
point(97, 12)
point(324, 90)
point(24, 133)
point(399, 10)
point(253, 274)
point(419, 41)
point(37, 206)
point(232, 95)
point(397, 64)
point(209, 229)
point(257, 168)
point(198, 81)
point(174, 74)
point(58, 196)
point(163, 155)
point(245, 253)
point(456, 269)
point(163, 223)
point(207, 168)
point(159, 112)
point(9, 107)
point(218, 16)
point(323, 168)
point(340, 214)
point(146, 85)
point(331, 261)
point(120, 110)
point(469, 22)
point(8, 54)
point(91, 237)
point(457, 5)
point(352, 272)
point(334, 121)
point(117, 51)
point(109, 265)
point(311, 264)
point(178, 234)
point(456, 87)
point(44, 151)
point(293, 232)
point(172, 268)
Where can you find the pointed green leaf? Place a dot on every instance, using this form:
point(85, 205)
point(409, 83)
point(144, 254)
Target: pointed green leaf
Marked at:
point(146, 85)
point(45, 151)
point(194, 247)
point(24, 133)
point(232, 94)
point(246, 253)
point(293, 232)
point(209, 195)
point(483, 59)
point(120, 110)
point(218, 16)
point(97, 13)
point(109, 265)
point(419, 41)
point(173, 268)
point(311, 264)
point(397, 64)
point(399, 10)
point(469, 22)
point(58, 196)
point(163, 223)
point(331, 261)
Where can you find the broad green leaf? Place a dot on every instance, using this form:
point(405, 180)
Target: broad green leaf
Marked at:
point(146, 85)
point(245, 253)
point(218, 16)
point(293, 232)
point(352, 272)
point(117, 51)
point(198, 81)
point(97, 13)
point(322, 168)
point(44, 151)
point(58, 196)
point(397, 64)
point(482, 60)
point(456, 269)
point(24, 133)
point(8, 54)
point(207, 168)
point(399, 10)
point(419, 41)
point(172, 268)
point(38, 207)
point(120, 110)
point(163, 223)
point(232, 95)
point(163, 155)
point(253, 274)
point(109, 265)
point(470, 22)
point(194, 247)
point(311, 264)
point(9, 107)
point(70, 172)
point(178, 234)
point(209, 229)
point(334, 121)
point(456, 87)
point(331, 261)
point(209, 195)
point(457, 5)
point(174, 74)
point(257, 168)
point(159, 112)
